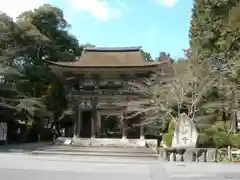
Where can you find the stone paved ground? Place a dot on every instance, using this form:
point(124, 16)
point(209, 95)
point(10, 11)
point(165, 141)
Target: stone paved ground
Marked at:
point(18, 166)
point(25, 147)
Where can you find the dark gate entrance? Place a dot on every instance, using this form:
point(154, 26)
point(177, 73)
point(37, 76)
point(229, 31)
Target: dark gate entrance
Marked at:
point(86, 130)
point(134, 128)
point(110, 127)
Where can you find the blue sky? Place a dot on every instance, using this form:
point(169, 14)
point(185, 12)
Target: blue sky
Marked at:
point(156, 25)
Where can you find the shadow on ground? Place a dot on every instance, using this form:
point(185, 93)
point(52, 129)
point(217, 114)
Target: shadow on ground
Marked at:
point(24, 147)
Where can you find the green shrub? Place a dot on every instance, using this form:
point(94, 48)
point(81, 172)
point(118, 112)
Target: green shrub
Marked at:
point(167, 139)
point(204, 140)
point(219, 126)
point(171, 126)
point(235, 140)
point(214, 136)
point(209, 131)
point(221, 139)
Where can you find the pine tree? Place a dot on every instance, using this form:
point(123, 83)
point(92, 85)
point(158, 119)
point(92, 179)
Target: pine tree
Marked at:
point(209, 19)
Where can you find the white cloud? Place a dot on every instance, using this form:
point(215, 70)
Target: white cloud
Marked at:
point(99, 9)
point(167, 3)
point(15, 7)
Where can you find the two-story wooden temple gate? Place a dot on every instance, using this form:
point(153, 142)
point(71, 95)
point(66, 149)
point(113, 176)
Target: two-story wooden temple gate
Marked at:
point(98, 86)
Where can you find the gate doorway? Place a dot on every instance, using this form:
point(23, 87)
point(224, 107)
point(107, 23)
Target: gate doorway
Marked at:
point(86, 126)
point(110, 127)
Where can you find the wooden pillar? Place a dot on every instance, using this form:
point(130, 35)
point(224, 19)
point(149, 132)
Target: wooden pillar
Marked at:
point(93, 128)
point(98, 125)
point(79, 122)
point(124, 126)
point(124, 130)
point(142, 132)
point(75, 124)
point(142, 119)
point(94, 102)
point(93, 123)
point(75, 128)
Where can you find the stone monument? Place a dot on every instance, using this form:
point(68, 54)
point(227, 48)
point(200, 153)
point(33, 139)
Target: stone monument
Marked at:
point(185, 133)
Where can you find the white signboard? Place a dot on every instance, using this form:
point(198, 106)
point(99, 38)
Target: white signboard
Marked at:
point(3, 131)
point(185, 133)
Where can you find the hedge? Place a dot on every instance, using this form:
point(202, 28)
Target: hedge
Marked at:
point(235, 140)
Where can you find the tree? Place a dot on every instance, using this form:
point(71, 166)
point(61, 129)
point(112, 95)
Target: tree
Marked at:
point(49, 25)
point(214, 37)
point(147, 56)
point(212, 33)
point(88, 45)
point(36, 36)
point(47, 33)
point(10, 51)
point(183, 87)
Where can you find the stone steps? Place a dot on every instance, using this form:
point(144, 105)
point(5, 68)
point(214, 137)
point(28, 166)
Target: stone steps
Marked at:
point(75, 148)
point(145, 153)
point(126, 155)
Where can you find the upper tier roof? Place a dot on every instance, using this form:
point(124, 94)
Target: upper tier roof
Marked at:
point(105, 57)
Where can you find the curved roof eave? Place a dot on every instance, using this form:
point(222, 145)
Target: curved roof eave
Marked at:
point(68, 65)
